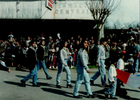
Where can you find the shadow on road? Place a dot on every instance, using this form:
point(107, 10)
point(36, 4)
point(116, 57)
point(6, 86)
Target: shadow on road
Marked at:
point(59, 92)
point(15, 83)
point(132, 90)
point(20, 76)
point(49, 85)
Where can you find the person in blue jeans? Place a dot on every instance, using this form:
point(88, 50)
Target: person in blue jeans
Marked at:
point(62, 64)
point(112, 74)
point(82, 72)
point(41, 59)
point(32, 64)
point(101, 64)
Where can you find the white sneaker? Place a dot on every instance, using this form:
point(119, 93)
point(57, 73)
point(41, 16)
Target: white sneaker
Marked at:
point(53, 67)
point(50, 67)
point(56, 67)
point(71, 66)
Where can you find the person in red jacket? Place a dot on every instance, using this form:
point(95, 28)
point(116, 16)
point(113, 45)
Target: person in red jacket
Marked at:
point(73, 56)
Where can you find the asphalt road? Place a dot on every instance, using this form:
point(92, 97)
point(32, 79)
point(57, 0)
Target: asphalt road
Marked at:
point(11, 89)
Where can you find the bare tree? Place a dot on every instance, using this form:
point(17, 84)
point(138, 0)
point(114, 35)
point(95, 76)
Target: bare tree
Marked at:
point(100, 10)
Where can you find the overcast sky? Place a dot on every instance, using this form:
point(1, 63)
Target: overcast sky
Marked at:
point(129, 12)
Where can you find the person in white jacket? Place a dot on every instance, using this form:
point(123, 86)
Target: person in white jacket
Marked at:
point(62, 64)
point(120, 65)
point(82, 72)
point(112, 74)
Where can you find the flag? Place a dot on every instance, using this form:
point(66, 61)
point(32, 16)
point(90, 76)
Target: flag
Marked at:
point(132, 80)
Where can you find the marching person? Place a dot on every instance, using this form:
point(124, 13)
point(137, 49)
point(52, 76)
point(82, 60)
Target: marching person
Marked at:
point(82, 72)
point(112, 74)
point(41, 58)
point(32, 64)
point(62, 64)
point(101, 64)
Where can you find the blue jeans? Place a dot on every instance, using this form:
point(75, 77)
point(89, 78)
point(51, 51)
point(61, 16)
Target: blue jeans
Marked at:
point(100, 72)
point(112, 90)
point(33, 73)
point(136, 65)
point(60, 69)
point(82, 75)
point(44, 67)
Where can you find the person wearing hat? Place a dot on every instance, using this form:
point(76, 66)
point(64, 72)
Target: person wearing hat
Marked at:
point(131, 63)
point(101, 64)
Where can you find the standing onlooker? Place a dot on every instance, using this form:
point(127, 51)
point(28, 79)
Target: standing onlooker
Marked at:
point(28, 41)
point(131, 63)
point(107, 54)
point(3, 66)
point(52, 60)
point(135, 51)
point(18, 56)
point(77, 45)
point(113, 50)
point(101, 64)
point(73, 56)
point(70, 61)
point(3, 47)
point(10, 54)
point(91, 52)
point(10, 36)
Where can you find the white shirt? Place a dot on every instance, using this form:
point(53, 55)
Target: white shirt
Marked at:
point(63, 56)
point(82, 59)
point(111, 73)
point(100, 54)
point(121, 64)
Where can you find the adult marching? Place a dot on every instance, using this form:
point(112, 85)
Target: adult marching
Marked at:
point(62, 64)
point(82, 72)
point(101, 64)
point(32, 64)
point(41, 58)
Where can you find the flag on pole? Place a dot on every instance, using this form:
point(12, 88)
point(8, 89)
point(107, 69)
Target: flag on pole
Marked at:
point(132, 80)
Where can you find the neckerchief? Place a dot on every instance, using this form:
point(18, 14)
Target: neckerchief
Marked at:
point(34, 51)
point(43, 47)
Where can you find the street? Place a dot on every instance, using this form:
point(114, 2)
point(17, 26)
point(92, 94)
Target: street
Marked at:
point(11, 89)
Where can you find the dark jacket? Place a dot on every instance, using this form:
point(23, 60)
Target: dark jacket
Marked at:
point(40, 53)
point(3, 68)
point(31, 58)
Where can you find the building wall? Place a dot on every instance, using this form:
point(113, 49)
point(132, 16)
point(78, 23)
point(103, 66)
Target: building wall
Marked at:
point(36, 9)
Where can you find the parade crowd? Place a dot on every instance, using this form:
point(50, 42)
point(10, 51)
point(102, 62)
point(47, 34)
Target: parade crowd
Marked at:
point(120, 50)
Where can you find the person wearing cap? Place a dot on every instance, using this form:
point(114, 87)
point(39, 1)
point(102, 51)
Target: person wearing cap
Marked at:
point(10, 35)
point(42, 36)
point(62, 64)
point(101, 64)
point(131, 63)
